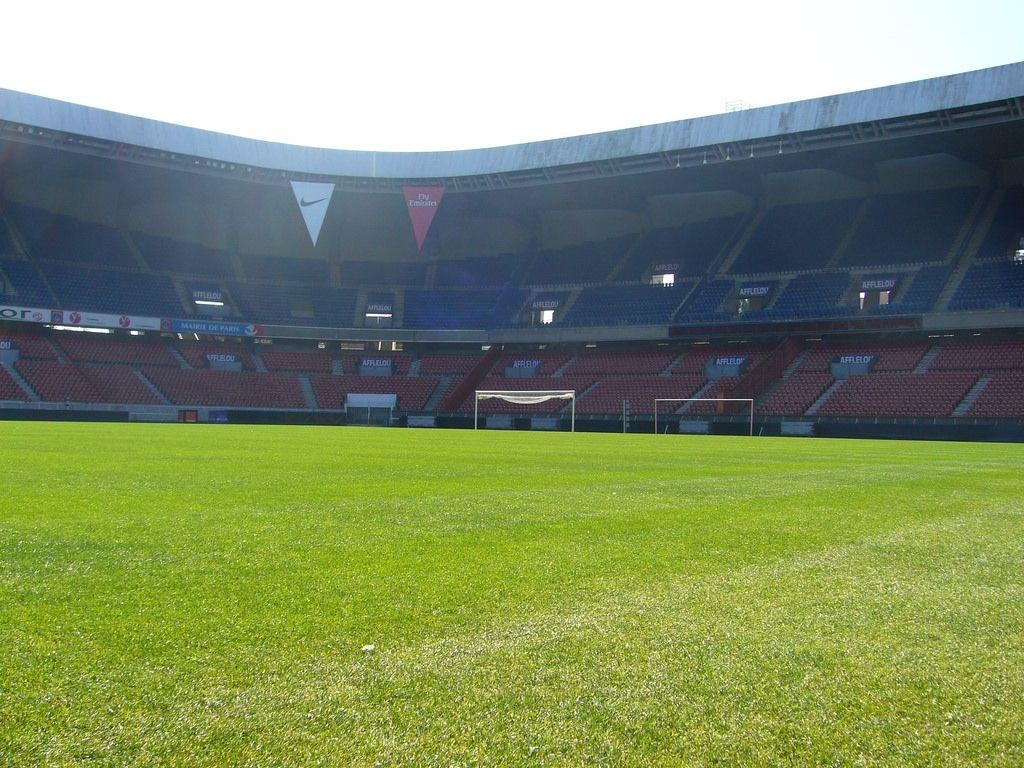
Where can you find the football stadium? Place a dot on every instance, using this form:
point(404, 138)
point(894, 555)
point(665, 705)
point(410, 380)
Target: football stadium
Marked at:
point(536, 454)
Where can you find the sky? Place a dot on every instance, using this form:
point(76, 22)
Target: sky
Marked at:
point(436, 75)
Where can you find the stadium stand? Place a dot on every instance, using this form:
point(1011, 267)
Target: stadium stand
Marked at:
point(115, 292)
point(627, 304)
point(990, 285)
point(1007, 226)
point(300, 362)
point(910, 227)
point(462, 309)
point(232, 389)
point(479, 272)
point(82, 348)
point(26, 285)
point(412, 392)
point(410, 274)
point(92, 383)
point(691, 248)
point(52, 236)
point(9, 388)
point(797, 236)
point(899, 394)
point(704, 304)
point(286, 268)
point(577, 264)
point(187, 259)
point(196, 354)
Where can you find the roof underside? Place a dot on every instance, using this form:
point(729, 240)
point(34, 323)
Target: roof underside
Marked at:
point(938, 106)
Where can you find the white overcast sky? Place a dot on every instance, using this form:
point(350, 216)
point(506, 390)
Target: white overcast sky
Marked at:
point(428, 75)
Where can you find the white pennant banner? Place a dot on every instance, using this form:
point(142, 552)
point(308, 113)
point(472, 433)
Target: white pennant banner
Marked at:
point(313, 198)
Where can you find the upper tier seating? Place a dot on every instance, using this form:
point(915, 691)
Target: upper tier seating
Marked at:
point(27, 287)
point(990, 285)
point(796, 236)
point(7, 247)
point(573, 264)
point(922, 293)
point(1006, 227)
point(384, 273)
point(703, 305)
point(626, 304)
point(808, 296)
point(296, 305)
point(165, 255)
point(481, 271)
point(287, 268)
point(910, 227)
point(692, 247)
point(107, 290)
point(462, 309)
point(55, 237)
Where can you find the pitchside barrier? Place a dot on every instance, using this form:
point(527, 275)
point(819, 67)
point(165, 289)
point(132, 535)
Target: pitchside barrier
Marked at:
point(681, 400)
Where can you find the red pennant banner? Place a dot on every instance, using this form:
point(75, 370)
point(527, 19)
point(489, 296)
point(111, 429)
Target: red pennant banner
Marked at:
point(422, 203)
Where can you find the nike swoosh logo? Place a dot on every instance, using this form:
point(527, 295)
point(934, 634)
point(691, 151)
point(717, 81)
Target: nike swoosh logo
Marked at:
point(304, 202)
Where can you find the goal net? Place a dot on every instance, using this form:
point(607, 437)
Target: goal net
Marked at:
point(525, 397)
point(680, 401)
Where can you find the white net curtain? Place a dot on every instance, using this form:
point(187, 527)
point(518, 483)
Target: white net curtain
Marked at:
point(526, 397)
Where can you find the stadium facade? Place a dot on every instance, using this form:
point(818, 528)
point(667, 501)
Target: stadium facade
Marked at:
point(854, 264)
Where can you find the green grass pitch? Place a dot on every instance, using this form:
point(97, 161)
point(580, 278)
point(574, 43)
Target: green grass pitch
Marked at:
point(209, 595)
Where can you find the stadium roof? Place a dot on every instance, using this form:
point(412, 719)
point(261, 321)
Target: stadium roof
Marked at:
point(983, 97)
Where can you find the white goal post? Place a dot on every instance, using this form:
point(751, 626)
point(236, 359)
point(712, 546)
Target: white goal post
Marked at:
point(747, 400)
point(525, 397)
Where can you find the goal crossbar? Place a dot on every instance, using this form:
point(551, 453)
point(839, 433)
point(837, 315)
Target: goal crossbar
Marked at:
point(524, 397)
point(747, 400)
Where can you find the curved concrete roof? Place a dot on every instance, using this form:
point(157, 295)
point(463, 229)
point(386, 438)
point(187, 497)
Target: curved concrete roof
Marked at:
point(941, 93)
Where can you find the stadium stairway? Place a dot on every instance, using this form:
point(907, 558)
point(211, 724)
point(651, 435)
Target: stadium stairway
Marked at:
point(437, 394)
point(667, 371)
point(20, 380)
point(178, 356)
point(972, 242)
point(560, 371)
point(972, 394)
point(702, 392)
point(307, 391)
point(258, 361)
point(816, 405)
point(851, 232)
point(926, 359)
point(151, 387)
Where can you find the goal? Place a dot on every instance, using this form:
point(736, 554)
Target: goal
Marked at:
point(525, 397)
point(681, 400)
